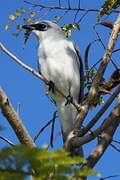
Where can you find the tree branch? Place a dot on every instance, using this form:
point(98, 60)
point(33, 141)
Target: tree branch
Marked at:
point(106, 138)
point(100, 112)
point(65, 8)
point(14, 120)
point(93, 93)
point(110, 121)
point(108, 53)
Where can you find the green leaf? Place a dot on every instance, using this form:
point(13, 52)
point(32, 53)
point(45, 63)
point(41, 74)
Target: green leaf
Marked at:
point(68, 160)
point(12, 17)
point(68, 33)
point(76, 26)
point(7, 26)
point(27, 20)
point(18, 13)
point(88, 172)
point(19, 27)
point(57, 18)
point(26, 35)
point(32, 14)
point(19, 160)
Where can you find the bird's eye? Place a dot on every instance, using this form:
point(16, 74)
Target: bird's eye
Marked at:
point(41, 27)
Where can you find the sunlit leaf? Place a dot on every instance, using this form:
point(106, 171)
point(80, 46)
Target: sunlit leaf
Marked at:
point(12, 17)
point(22, 9)
point(76, 26)
point(18, 13)
point(57, 18)
point(7, 26)
point(19, 27)
point(88, 172)
point(26, 35)
point(26, 20)
point(19, 160)
point(32, 14)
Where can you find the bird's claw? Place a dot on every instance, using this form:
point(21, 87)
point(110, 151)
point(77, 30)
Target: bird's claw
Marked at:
point(69, 100)
point(51, 86)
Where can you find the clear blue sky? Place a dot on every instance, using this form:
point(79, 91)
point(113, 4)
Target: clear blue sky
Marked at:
point(25, 89)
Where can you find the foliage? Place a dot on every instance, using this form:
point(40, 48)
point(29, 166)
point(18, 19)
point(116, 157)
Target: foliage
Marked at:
point(68, 27)
point(107, 7)
point(23, 161)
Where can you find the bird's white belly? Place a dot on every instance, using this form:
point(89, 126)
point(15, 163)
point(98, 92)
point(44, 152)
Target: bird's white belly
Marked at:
point(61, 73)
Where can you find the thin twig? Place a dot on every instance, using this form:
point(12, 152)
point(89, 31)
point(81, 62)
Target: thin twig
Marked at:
point(86, 62)
point(82, 17)
point(118, 142)
point(7, 140)
point(45, 126)
point(59, 3)
point(65, 8)
point(69, 7)
point(87, 75)
point(104, 63)
point(42, 129)
point(108, 177)
point(115, 148)
point(52, 129)
point(54, 138)
point(98, 35)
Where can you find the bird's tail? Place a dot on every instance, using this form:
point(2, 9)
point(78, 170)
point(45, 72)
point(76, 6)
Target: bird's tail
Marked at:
point(68, 114)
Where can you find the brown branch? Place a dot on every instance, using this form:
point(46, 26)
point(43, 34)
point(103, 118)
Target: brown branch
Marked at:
point(114, 117)
point(35, 73)
point(106, 138)
point(65, 8)
point(14, 120)
point(99, 76)
point(100, 112)
point(93, 93)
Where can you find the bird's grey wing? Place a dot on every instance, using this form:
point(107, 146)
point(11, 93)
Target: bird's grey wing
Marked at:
point(81, 70)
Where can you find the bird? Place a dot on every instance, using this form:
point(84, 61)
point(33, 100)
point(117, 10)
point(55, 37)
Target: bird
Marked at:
point(60, 62)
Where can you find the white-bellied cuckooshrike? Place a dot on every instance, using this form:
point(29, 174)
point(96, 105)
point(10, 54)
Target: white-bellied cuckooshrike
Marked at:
point(60, 63)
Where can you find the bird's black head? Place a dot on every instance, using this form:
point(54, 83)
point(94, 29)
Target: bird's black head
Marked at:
point(40, 26)
point(44, 29)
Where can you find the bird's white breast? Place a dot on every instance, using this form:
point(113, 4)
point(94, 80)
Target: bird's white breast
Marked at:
point(58, 64)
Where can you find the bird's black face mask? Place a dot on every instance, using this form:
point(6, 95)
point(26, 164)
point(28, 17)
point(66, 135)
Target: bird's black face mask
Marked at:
point(39, 27)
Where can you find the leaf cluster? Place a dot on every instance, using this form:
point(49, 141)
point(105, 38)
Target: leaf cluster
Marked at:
point(67, 28)
point(21, 161)
point(107, 7)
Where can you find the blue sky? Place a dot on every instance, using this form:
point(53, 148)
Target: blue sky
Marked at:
point(25, 89)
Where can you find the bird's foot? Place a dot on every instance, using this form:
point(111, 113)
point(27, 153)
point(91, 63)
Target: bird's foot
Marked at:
point(69, 100)
point(51, 86)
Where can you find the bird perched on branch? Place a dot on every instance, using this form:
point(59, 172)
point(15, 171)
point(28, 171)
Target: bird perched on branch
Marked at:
point(60, 63)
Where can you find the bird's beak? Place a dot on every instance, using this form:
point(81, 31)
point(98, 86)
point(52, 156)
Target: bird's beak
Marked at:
point(29, 27)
